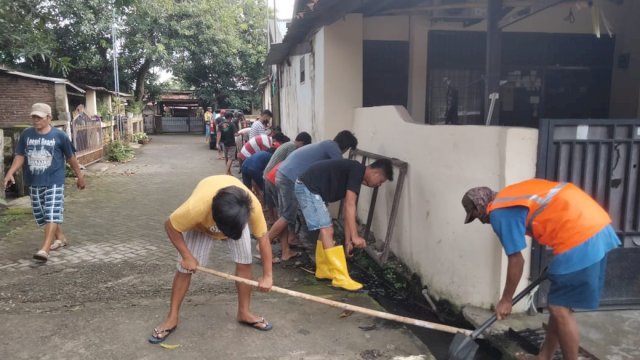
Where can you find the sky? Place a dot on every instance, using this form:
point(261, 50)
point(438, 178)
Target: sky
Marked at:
point(284, 8)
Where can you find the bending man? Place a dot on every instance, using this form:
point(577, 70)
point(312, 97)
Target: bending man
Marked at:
point(220, 207)
point(333, 180)
point(566, 219)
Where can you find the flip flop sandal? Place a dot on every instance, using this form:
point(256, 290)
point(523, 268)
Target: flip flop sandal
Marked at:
point(160, 335)
point(41, 255)
point(274, 259)
point(58, 244)
point(523, 355)
point(267, 326)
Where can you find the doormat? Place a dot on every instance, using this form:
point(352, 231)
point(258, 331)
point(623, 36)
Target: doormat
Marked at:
point(530, 340)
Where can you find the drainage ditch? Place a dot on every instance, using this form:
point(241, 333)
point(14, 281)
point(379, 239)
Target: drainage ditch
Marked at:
point(402, 295)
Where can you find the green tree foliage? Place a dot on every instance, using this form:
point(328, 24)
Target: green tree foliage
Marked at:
point(25, 37)
point(225, 53)
point(214, 46)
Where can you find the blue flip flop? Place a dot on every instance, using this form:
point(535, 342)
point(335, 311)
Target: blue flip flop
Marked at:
point(156, 337)
point(267, 325)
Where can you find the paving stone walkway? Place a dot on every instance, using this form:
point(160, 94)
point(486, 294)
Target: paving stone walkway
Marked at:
point(100, 296)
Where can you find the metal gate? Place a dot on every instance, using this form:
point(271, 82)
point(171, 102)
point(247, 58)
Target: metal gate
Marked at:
point(601, 156)
point(181, 124)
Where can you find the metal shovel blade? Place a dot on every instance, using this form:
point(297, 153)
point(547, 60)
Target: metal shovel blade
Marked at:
point(462, 348)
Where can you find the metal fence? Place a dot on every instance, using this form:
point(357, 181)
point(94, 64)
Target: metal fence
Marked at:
point(602, 156)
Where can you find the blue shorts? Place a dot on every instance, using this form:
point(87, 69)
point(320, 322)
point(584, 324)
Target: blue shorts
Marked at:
point(313, 208)
point(47, 204)
point(287, 202)
point(580, 289)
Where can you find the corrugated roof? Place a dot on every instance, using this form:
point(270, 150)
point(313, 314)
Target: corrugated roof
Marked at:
point(100, 88)
point(42, 78)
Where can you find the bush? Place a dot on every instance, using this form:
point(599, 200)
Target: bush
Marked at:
point(119, 151)
point(135, 107)
point(68, 171)
point(139, 136)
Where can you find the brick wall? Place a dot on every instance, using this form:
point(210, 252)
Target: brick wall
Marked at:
point(18, 94)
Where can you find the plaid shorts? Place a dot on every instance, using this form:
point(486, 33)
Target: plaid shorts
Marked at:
point(199, 244)
point(47, 203)
point(230, 152)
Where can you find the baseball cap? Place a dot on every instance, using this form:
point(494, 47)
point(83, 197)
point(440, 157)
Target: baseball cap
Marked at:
point(40, 110)
point(477, 198)
point(469, 206)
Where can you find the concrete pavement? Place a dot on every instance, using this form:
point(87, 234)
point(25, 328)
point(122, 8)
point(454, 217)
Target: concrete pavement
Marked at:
point(100, 297)
point(606, 334)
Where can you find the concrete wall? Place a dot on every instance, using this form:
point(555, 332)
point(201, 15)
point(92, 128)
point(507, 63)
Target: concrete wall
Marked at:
point(323, 103)
point(297, 110)
point(463, 263)
point(338, 75)
point(18, 94)
point(91, 104)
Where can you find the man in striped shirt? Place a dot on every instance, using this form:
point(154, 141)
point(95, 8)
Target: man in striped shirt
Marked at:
point(256, 144)
point(260, 125)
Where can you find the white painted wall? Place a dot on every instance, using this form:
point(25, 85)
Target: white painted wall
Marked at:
point(463, 263)
point(90, 106)
point(338, 75)
point(389, 28)
point(297, 98)
point(323, 104)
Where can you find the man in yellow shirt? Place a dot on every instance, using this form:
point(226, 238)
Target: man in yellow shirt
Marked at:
point(207, 117)
point(219, 208)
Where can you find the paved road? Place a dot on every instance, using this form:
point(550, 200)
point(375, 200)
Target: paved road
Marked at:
point(100, 297)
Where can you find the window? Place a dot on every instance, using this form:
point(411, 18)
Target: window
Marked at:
point(385, 66)
point(302, 69)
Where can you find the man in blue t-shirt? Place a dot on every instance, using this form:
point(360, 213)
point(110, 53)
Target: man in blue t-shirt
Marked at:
point(542, 209)
point(43, 150)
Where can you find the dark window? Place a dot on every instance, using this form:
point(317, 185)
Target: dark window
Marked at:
point(546, 75)
point(385, 73)
point(302, 69)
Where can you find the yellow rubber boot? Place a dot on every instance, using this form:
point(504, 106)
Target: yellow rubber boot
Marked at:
point(338, 265)
point(323, 270)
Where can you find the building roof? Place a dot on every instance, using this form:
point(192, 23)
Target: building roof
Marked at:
point(41, 78)
point(310, 15)
point(100, 88)
point(183, 97)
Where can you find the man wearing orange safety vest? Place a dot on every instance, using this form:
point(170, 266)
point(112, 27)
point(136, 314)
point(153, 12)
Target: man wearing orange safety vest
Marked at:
point(565, 219)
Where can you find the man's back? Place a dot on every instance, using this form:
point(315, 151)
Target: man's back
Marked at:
point(301, 159)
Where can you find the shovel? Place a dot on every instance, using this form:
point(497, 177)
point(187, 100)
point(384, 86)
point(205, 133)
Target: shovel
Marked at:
point(464, 347)
point(340, 305)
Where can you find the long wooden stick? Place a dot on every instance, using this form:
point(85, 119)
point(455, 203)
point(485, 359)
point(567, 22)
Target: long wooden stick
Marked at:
point(380, 314)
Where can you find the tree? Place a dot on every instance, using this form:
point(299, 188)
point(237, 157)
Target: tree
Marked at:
point(25, 37)
point(226, 65)
point(215, 46)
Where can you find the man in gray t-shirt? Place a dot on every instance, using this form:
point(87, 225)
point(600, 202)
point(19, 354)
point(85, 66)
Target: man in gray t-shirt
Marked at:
point(292, 168)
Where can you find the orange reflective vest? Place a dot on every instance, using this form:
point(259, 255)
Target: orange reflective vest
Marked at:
point(561, 215)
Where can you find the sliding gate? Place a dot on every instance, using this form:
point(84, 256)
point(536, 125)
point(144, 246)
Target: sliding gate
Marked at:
point(601, 156)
